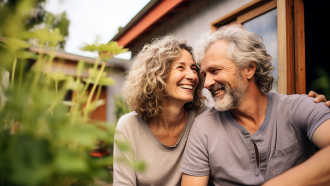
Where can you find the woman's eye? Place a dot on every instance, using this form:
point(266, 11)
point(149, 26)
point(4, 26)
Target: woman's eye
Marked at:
point(194, 68)
point(180, 67)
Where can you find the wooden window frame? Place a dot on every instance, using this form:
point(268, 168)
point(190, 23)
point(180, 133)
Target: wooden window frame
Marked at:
point(290, 34)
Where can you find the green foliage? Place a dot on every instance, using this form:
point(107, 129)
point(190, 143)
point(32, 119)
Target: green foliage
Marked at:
point(45, 36)
point(43, 140)
point(124, 147)
point(105, 51)
point(19, 16)
point(121, 107)
point(322, 83)
point(128, 158)
point(59, 22)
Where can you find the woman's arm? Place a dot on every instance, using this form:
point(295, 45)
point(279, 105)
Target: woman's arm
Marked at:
point(123, 174)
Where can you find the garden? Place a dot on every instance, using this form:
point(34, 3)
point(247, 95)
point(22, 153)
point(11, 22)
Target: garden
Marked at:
point(45, 140)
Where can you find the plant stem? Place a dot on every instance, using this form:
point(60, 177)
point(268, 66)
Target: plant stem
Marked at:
point(56, 86)
point(90, 77)
point(98, 93)
point(13, 70)
point(93, 89)
point(38, 72)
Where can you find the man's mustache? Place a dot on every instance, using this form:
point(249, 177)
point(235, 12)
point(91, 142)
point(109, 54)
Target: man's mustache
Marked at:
point(216, 87)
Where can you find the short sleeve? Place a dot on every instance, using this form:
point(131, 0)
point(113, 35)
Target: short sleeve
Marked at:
point(123, 175)
point(195, 159)
point(308, 115)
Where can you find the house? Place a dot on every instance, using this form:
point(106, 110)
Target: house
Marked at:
point(66, 63)
point(292, 31)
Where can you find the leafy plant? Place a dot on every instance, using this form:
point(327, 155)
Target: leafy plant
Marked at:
point(44, 140)
point(121, 107)
point(34, 14)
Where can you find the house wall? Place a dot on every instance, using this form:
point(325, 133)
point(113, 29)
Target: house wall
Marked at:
point(105, 112)
point(189, 22)
point(100, 112)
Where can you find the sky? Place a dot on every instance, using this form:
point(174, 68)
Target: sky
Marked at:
point(94, 20)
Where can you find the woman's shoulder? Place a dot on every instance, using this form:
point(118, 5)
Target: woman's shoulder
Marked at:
point(127, 121)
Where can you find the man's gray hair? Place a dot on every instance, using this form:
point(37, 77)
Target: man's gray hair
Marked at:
point(244, 48)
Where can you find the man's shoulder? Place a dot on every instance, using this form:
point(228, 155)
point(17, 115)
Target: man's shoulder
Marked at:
point(296, 105)
point(208, 119)
point(292, 99)
point(207, 113)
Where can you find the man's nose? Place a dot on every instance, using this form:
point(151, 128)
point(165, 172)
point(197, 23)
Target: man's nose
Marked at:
point(208, 81)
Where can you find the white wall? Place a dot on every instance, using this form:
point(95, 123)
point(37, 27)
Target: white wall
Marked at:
point(190, 22)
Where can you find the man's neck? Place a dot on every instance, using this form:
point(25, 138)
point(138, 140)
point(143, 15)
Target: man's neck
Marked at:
point(251, 111)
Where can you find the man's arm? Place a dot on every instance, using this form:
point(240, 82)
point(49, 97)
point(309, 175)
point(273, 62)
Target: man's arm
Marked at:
point(314, 171)
point(195, 162)
point(188, 180)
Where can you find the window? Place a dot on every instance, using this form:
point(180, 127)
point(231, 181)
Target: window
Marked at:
point(279, 23)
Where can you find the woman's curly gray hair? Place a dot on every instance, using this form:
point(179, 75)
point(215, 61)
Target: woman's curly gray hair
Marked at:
point(244, 47)
point(144, 89)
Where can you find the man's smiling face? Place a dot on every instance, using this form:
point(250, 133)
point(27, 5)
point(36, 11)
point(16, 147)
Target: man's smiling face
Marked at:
point(222, 77)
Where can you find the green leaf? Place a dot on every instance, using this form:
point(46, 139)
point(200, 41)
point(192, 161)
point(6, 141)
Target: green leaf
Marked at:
point(123, 145)
point(105, 51)
point(15, 44)
point(57, 76)
point(67, 161)
point(80, 68)
point(26, 55)
point(45, 36)
point(139, 166)
point(106, 81)
point(94, 105)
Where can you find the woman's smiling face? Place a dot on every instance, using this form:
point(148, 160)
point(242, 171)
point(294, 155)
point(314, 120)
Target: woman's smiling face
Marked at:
point(183, 78)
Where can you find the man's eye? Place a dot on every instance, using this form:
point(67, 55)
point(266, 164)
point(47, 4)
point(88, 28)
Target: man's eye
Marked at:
point(213, 71)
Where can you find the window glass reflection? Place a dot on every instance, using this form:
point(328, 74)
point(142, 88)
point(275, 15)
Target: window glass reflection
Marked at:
point(265, 26)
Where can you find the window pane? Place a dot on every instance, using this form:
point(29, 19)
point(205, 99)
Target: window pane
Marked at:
point(265, 26)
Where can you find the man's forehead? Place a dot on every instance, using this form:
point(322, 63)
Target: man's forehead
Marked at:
point(205, 65)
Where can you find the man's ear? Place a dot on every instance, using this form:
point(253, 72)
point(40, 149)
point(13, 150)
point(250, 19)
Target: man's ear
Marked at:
point(250, 70)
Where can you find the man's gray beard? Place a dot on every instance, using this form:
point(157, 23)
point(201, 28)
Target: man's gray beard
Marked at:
point(229, 101)
point(232, 97)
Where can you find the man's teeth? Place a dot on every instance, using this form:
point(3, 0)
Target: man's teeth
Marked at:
point(217, 92)
point(222, 87)
point(187, 87)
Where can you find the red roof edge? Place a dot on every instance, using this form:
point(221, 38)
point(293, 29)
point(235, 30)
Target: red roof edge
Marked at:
point(154, 14)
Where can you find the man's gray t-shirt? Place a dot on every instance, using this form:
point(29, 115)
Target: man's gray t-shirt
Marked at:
point(221, 148)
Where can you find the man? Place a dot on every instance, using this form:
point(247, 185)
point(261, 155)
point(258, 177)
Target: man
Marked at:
point(251, 136)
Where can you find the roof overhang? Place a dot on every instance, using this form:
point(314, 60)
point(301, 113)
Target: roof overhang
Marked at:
point(149, 15)
point(112, 63)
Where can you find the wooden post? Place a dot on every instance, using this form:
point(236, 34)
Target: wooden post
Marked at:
point(299, 46)
point(285, 47)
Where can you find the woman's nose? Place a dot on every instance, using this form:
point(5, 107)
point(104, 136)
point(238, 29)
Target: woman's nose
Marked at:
point(191, 74)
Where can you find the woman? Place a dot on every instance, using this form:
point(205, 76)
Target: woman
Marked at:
point(163, 90)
